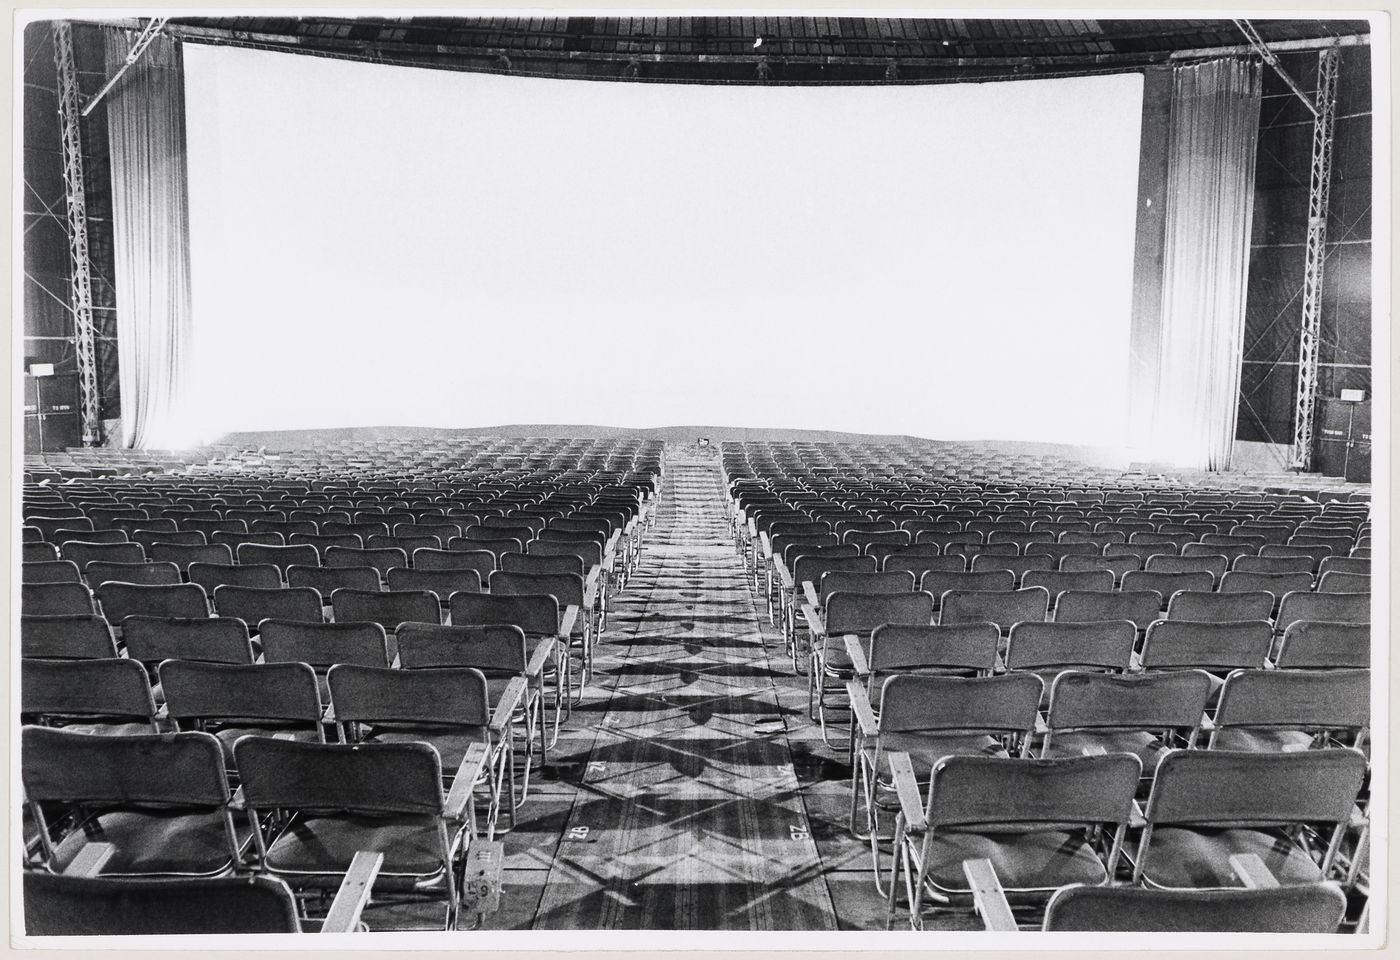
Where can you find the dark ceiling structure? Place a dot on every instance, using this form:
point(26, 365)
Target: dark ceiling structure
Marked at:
point(759, 49)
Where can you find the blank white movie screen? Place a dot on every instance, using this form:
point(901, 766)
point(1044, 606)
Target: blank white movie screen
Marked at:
point(390, 246)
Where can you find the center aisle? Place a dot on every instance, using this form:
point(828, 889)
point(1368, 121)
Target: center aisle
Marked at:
point(687, 812)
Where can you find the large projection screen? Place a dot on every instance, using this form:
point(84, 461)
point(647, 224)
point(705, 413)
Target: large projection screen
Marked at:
point(375, 245)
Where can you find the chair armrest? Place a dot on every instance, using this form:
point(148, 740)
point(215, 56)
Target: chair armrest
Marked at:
point(814, 620)
point(1252, 871)
point(505, 707)
point(90, 860)
point(540, 657)
point(459, 798)
point(766, 545)
point(857, 655)
point(567, 621)
point(810, 592)
point(784, 577)
point(906, 787)
point(610, 547)
point(988, 898)
point(238, 801)
point(1136, 818)
point(350, 899)
point(1207, 724)
point(590, 587)
point(1041, 727)
point(860, 709)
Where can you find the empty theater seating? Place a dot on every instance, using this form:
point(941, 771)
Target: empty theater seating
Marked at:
point(264, 623)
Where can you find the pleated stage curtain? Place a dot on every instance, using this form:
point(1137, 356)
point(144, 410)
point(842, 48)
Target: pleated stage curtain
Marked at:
point(1209, 213)
point(150, 213)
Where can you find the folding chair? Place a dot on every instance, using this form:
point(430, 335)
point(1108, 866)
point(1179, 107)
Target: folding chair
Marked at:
point(183, 556)
point(1143, 714)
point(1042, 824)
point(855, 614)
point(540, 618)
point(571, 591)
point(1241, 581)
point(1341, 565)
point(1119, 566)
point(51, 571)
point(323, 645)
point(150, 573)
point(233, 700)
point(32, 552)
point(482, 561)
point(332, 800)
point(1285, 710)
point(1321, 645)
point(56, 600)
point(1331, 607)
point(66, 638)
point(447, 707)
point(149, 538)
point(327, 580)
point(1079, 908)
point(936, 583)
point(501, 654)
point(212, 576)
point(928, 717)
point(1057, 582)
point(1208, 806)
point(1003, 608)
point(160, 801)
point(1216, 647)
point(968, 649)
point(388, 608)
point(1248, 564)
point(1214, 565)
point(253, 605)
point(381, 560)
point(1167, 584)
point(280, 557)
point(83, 553)
point(443, 583)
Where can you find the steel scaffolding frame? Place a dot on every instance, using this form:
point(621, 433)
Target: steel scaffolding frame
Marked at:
point(80, 292)
point(1319, 196)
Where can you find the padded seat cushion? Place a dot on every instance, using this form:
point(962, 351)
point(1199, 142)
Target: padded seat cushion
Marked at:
point(325, 845)
point(155, 843)
point(1200, 857)
point(1036, 862)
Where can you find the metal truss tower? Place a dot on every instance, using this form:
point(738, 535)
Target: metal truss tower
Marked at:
point(1305, 413)
point(80, 264)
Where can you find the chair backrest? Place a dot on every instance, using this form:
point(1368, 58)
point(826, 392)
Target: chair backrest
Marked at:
point(861, 613)
point(1118, 565)
point(150, 640)
point(1145, 701)
point(56, 600)
point(920, 564)
point(66, 638)
point(151, 573)
point(445, 583)
point(1139, 606)
point(1342, 565)
point(495, 649)
point(868, 581)
point(279, 556)
point(535, 563)
point(1248, 564)
point(39, 552)
point(1245, 788)
point(1016, 564)
point(388, 608)
point(324, 644)
point(149, 538)
point(1220, 607)
point(1215, 565)
point(82, 553)
point(1211, 645)
point(122, 600)
point(1321, 644)
point(183, 555)
point(590, 552)
point(1057, 582)
point(567, 588)
point(447, 695)
point(1332, 607)
point(252, 605)
point(382, 559)
point(373, 778)
point(910, 648)
point(1241, 581)
point(936, 582)
point(917, 703)
point(184, 769)
point(58, 905)
point(1105, 644)
point(1309, 908)
point(212, 576)
point(810, 568)
point(1335, 581)
point(1295, 699)
point(197, 690)
point(537, 614)
point(1167, 584)
point(327, 580)
point(1004, 608)
point(969, 791)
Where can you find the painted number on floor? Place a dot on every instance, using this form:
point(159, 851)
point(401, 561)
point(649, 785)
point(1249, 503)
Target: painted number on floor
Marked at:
point(577, 833)
point(799, 832)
